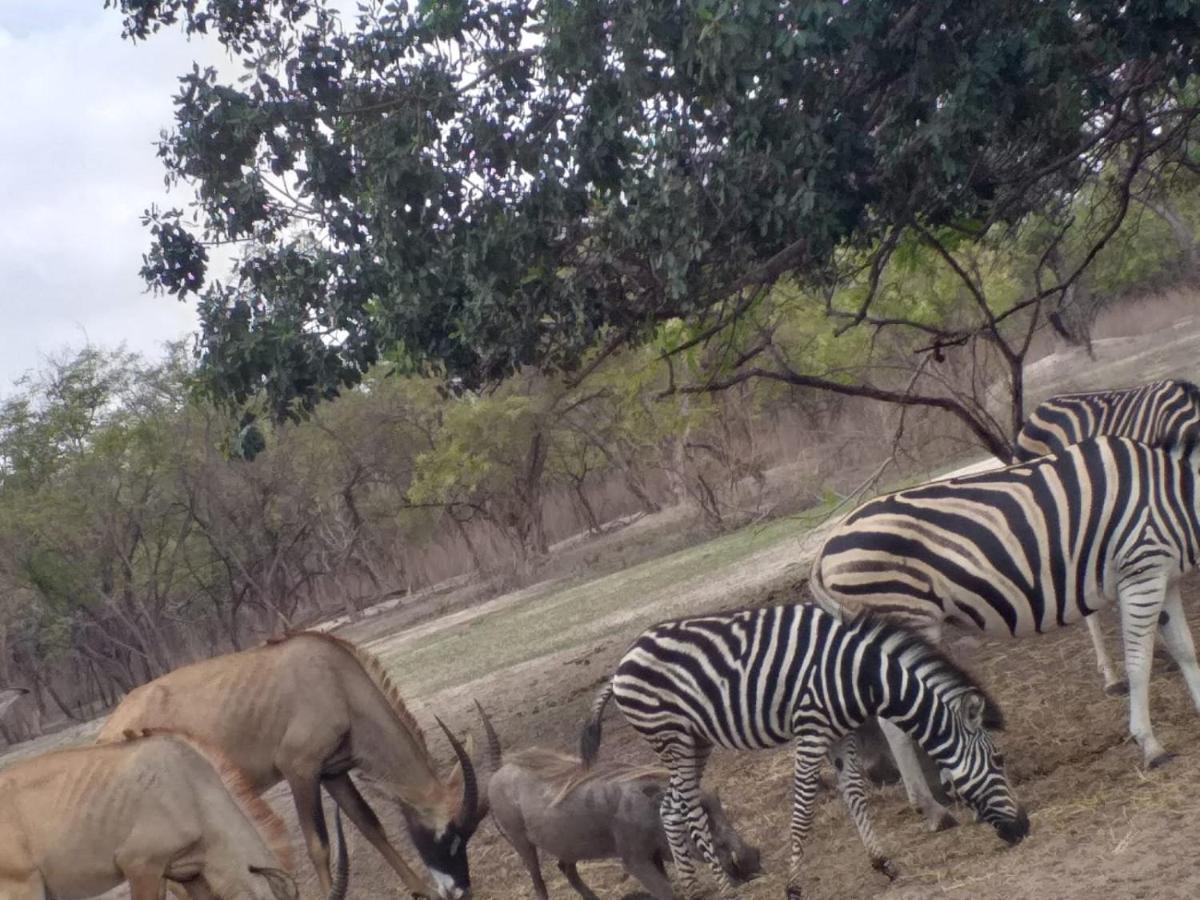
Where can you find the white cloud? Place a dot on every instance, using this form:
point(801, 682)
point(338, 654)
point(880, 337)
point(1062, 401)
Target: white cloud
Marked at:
point(80, 110)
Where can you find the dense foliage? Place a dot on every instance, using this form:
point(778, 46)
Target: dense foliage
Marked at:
point(489, 185)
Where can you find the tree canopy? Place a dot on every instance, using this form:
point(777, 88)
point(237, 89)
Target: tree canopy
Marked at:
point(483, 186)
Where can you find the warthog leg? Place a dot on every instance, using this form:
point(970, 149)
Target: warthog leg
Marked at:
point(572, 874)
point(529, 856)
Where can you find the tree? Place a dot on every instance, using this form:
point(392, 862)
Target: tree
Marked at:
point(498, 184)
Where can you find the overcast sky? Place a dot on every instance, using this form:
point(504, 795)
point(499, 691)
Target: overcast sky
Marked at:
point(80, 110)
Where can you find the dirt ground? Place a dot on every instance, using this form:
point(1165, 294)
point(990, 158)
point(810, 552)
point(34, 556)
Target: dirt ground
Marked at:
point(1099, 822)
point(534, 659)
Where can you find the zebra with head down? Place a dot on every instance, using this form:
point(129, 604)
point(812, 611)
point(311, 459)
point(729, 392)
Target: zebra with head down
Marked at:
point(760, 678)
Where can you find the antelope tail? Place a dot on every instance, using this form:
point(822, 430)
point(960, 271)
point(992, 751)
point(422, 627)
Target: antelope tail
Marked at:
point(589, 740)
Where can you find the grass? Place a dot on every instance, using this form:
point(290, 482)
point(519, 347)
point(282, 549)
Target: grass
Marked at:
point(579, 612)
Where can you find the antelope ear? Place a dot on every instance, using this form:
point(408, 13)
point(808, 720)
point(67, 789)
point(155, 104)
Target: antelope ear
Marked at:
point(283, 887)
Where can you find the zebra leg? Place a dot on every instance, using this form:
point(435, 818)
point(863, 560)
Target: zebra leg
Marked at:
point(1141, 603)
point(1114, 686)
point(1178, 640)
point(919, 794)
point(687, 820)
point(809, 751)
point(844, 756)
point(674, 819)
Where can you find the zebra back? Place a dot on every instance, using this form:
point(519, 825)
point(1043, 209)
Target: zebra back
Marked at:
point(739, 679)
point(1021, 549)
point(1162, 413)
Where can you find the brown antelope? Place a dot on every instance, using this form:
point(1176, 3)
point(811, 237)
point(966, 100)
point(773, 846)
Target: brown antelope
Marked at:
point(307, 709)
point(157, 810)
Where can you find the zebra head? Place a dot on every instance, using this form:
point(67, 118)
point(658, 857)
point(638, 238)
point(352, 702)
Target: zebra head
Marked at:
point(972, 769)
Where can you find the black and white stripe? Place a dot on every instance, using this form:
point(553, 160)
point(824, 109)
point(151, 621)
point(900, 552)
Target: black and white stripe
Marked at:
point(760, 678)
point(1162, 413)
point(1029, 548)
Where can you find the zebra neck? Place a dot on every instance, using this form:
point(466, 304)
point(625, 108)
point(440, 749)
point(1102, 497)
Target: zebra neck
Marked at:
point(910, 685)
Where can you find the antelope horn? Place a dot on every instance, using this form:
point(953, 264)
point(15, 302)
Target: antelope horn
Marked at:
point(495, 757)
point(341, 872)
point(495, 760)
point(467, 812)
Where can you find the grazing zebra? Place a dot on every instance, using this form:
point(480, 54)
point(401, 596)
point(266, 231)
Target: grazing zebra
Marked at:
point(1026, 549)
point(1162, 413)
point(759, 678)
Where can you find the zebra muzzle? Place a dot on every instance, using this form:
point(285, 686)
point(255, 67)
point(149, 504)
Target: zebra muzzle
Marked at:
point(1013, 831)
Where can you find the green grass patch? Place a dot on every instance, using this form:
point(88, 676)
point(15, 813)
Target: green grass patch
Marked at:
point(565, 616)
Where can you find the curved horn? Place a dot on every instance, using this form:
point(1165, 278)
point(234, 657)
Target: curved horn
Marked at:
point(341, 872)
point(466, 816)
point(495, 756)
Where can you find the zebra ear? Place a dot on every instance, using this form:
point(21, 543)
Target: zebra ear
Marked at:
point(973, 705)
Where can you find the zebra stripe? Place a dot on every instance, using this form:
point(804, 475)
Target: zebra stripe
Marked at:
point(1162, 413)
point(756, 679)
point(1033, 547)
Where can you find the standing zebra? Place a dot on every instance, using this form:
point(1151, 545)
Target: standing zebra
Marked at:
point(758, 678)
point(1162, 413)
point(1025, 549)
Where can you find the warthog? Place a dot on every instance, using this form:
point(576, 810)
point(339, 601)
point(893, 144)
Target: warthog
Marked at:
point(543, 800)
point(157, 811)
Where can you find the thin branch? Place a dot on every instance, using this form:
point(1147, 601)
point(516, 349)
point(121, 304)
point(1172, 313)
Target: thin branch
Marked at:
point(993, 442)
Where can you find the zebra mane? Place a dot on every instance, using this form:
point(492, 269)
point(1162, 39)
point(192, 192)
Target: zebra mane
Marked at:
point(1190, 388)
point(914, 650)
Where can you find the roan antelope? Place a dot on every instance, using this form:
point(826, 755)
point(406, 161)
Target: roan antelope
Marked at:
point(307, 709)
point(154, 810)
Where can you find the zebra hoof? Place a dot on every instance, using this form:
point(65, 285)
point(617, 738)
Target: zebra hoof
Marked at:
point(1117, 688)
point(1159, 759)
point(886, 866)
point(793, 893)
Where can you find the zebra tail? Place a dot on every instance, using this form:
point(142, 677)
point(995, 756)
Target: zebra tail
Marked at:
point(589, 740)
point(816, 587)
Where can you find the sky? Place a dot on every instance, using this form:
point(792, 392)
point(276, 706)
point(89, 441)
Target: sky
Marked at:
point(80, 111)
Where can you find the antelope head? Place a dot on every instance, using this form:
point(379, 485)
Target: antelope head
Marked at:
point(440, 834)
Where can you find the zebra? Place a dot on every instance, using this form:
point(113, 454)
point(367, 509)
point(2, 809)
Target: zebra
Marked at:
point(1029, 548)
point(1162, 413)
point(755, 679)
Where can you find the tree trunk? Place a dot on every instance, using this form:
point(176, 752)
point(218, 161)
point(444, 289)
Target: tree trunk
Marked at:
point(585, 507)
